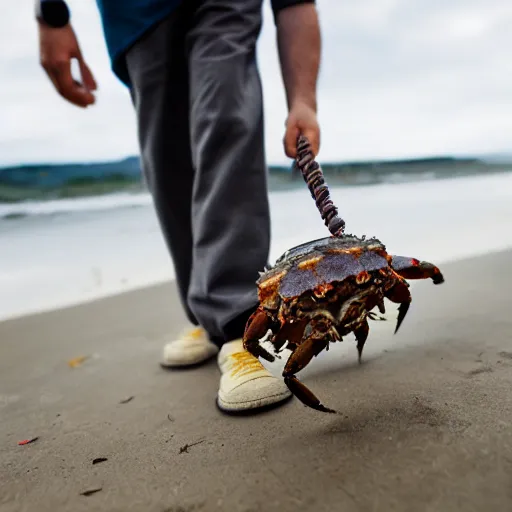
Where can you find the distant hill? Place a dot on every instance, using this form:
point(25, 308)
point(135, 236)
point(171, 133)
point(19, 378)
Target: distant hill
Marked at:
point(501, 158)
point(49, 181)
point(58, 175)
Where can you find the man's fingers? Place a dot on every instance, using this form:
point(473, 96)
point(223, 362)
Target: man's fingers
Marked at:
point(314, 139)
point(68, 88)
point(290, 140)
point(87, 76)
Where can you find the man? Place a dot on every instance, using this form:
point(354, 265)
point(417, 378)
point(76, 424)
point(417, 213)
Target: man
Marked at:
point(191, 70)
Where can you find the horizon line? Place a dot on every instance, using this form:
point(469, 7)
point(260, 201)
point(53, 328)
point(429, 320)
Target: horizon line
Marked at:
point(465, 156)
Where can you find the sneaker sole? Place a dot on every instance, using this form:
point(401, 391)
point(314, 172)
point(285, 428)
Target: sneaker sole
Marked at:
point(184, 366)
point(252, 407)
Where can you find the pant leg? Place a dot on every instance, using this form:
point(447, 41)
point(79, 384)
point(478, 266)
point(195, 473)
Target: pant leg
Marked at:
point(230, 207)
point(158, 70)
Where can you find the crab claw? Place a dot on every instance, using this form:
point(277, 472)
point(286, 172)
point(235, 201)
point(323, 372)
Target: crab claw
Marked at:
point(256, 327)
point(402, 311)
point(305, 395)
point(400, 294)
point(411, 268)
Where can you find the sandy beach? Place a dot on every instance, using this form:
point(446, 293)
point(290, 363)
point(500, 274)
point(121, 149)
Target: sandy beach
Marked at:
point(426, 423)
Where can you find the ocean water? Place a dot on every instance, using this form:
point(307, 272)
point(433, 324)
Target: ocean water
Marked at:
point(64, 252)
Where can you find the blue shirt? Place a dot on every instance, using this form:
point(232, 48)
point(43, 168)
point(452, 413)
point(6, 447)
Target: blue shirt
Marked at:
point(125, 21)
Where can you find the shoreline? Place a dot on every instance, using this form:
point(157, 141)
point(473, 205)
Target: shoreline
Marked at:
point(124, 290)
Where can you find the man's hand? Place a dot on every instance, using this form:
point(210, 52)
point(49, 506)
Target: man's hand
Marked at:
point(301, 120)
point(57, 48)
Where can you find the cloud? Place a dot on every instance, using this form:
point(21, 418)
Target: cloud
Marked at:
point(399, 78)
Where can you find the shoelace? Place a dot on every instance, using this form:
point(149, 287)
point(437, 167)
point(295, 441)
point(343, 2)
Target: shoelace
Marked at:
point(244, 363)
point(193, 334)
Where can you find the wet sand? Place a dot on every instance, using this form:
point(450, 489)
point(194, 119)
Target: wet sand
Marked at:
point(425, 423)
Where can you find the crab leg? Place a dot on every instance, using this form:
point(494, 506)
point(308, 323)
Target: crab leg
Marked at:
point(289, 331)
point(400, 294)
point(257, 326)
point(361, 334)
point(411, 268)
point(300, 358)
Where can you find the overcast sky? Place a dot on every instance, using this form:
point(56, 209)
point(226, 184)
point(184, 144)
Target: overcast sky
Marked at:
point(399, 78)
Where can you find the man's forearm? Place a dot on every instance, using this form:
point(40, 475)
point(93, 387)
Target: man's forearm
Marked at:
point(299, 44)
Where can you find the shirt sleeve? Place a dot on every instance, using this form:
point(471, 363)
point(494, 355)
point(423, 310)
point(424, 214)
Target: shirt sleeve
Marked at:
point(278, 5)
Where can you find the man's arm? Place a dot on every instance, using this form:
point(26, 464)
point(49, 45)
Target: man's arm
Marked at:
point(299, 45)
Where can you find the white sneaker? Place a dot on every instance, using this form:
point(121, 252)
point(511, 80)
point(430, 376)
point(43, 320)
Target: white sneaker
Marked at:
point(245, 383)
point(192, 347)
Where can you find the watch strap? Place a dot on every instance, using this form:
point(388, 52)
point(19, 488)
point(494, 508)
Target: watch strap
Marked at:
point(54, 13)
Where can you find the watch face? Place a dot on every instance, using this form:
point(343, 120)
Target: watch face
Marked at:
point(55, 13)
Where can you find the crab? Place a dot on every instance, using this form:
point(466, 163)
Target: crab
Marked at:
point(322, 290)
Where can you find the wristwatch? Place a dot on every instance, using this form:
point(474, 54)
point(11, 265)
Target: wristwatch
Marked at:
point(54, 13)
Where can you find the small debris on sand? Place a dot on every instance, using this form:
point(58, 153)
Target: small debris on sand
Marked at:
point(27, 441)
point(77, 361)
point(184, 449)
point(90, 492)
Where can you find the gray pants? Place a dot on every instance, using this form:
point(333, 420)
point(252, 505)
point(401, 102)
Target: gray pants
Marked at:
point(198, 99)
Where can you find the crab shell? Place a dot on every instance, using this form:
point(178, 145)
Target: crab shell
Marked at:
point(317, 265)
